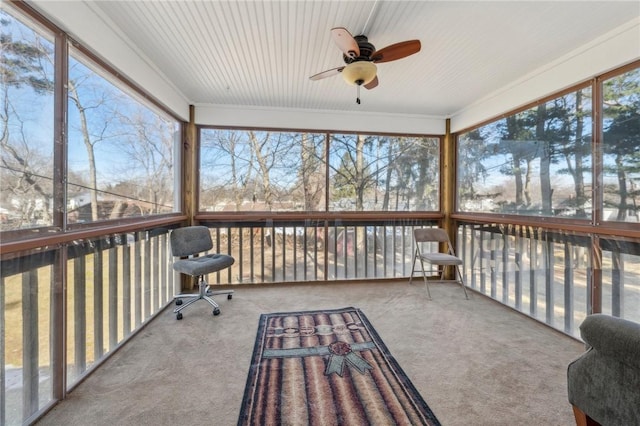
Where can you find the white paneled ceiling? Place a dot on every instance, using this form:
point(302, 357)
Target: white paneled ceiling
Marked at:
point(261, 53)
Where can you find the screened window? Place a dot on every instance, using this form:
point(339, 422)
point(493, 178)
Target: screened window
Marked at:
point(536, 162)
point(120, 151)
point(621, 147)
point(247, 170)
point(261, 171)
point(384, 173)
point(26, 124)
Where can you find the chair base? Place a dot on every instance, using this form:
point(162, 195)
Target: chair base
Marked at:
point(204, 293)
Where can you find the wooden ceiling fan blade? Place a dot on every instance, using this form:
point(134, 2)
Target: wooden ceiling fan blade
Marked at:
point(345, 42)
point(373, 83)
point(396, 51)
point(327, 73)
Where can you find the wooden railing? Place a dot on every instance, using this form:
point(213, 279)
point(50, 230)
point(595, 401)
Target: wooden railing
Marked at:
point(114, 285)
point(557, 277)
point(116, 282)
point(315, 250)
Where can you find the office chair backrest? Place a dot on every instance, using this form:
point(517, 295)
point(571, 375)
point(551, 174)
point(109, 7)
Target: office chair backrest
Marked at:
point(190, 240)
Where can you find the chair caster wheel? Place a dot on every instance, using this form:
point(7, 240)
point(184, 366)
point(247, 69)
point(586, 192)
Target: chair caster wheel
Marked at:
point(216, 311)
point(179, 316)
point(229, 296)
point(178, 302)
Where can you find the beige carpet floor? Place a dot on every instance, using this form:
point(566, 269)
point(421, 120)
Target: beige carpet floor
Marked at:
point(475, 362)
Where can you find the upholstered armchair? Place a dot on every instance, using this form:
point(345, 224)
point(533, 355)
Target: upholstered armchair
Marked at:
point(604, 382)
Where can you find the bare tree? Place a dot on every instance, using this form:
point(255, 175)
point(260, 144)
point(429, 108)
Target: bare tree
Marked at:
point(90, 138)
point(312, 173)
point(149, 144)
point(24, 71)
point(20, 176)
point(352, 176)
point(264, 149)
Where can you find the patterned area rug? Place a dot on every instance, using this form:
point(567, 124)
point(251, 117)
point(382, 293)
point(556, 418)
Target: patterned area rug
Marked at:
point(327, 368)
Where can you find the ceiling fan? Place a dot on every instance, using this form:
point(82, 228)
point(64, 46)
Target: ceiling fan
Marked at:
point(361, 56)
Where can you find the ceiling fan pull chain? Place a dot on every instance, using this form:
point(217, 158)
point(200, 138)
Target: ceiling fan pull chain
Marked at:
point(358, 96)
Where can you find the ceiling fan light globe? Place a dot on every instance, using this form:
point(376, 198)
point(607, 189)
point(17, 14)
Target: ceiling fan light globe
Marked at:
point(359, 73)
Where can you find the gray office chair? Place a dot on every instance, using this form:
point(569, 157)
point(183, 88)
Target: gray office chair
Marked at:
point(426, 239)
point(188, 243)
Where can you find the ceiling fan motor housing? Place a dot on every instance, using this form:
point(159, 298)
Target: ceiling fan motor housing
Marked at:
point(366, 50)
